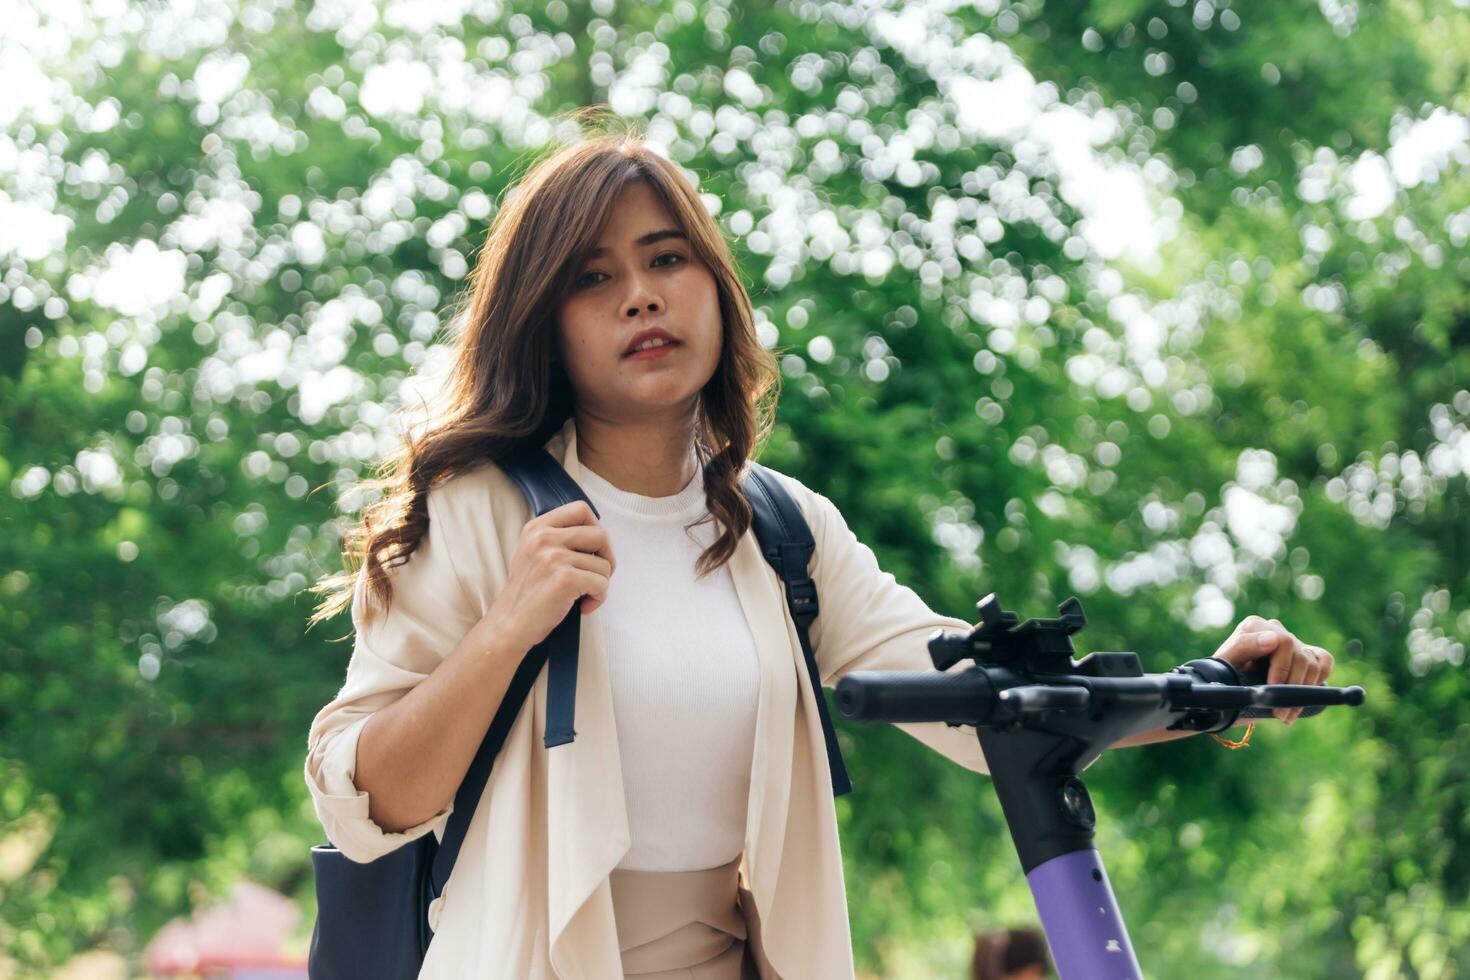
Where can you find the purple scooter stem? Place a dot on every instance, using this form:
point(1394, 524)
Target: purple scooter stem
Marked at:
point(1081, 918)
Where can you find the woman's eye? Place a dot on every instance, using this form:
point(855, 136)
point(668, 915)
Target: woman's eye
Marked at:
point(583, 281)
point(671, 255)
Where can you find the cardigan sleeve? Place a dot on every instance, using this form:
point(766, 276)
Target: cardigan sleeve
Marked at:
point(394, 649)
point(867, 620)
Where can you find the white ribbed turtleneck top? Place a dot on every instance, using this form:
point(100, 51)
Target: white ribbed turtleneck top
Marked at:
point(684, 680)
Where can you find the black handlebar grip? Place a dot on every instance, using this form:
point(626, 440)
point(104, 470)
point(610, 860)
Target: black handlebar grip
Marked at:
point(1257, 676)
point(1296, 693)
point(964, 698)
point(1248, 714)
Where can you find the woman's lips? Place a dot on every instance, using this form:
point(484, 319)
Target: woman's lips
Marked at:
point(653, 352)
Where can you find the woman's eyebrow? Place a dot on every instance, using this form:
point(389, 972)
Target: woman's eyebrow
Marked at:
point(648, 239)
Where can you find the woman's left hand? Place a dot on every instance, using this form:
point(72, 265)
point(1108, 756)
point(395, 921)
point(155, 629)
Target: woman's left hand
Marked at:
point(1292, 661)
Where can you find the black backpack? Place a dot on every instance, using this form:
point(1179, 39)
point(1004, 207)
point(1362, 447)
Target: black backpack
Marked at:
point(372, 918)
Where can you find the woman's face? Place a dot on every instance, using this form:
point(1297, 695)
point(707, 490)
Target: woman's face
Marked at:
point(645, 276)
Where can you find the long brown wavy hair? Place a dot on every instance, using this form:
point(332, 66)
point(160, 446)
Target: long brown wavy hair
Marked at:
point(506, 386)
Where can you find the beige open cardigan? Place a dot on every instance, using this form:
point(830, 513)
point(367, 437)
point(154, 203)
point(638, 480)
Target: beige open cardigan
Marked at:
point(529, 896)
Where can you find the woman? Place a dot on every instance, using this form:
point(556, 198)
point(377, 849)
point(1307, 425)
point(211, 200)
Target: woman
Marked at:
point(689, 829)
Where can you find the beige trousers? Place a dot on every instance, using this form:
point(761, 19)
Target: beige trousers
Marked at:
point(687, 925)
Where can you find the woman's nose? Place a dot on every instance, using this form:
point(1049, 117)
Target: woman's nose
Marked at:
point(641, 295)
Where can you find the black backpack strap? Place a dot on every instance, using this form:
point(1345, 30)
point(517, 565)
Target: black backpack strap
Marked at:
point(467, 798)
point(546, 486)
point(786, 541)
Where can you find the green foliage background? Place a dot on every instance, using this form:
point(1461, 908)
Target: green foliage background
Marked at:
point(253, 216)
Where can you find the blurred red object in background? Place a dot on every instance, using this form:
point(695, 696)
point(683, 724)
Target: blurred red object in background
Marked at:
point(247, 937)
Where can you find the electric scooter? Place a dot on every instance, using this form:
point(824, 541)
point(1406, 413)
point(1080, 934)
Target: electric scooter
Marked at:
point(1042, 718)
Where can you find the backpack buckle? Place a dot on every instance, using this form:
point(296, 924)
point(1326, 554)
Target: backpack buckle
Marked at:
point(803, 597)
point(801, 591)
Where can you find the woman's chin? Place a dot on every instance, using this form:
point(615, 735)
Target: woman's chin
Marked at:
point(660, 401)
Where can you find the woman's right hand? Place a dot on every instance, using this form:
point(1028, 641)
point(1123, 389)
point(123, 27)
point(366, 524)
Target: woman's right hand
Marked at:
point(563, 556)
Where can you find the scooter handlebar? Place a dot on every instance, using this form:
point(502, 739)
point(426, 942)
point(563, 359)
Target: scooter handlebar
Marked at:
point(966, 697)
point(997, 696)
point(1311, 699)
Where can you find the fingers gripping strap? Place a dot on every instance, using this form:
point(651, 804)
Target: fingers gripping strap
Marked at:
point(786, 541)
point(546, 487)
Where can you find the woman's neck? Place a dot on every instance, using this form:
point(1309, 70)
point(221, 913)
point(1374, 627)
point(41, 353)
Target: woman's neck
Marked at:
point(652, 459)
